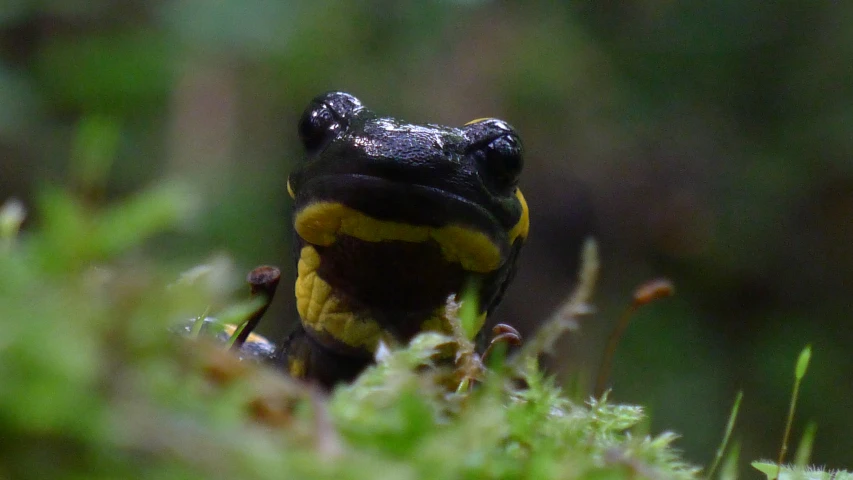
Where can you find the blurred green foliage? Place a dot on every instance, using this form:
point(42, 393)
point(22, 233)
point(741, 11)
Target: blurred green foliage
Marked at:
point(96, 383)
point(708, 142)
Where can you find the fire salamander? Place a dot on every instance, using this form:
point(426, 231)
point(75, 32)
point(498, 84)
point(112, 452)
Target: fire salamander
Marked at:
point(391, 219)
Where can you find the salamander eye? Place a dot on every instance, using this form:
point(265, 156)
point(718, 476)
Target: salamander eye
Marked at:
point(317, 126)
point(501, 163)
point(325, 116)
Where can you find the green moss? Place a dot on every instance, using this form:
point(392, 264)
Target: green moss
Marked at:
point(96, 385)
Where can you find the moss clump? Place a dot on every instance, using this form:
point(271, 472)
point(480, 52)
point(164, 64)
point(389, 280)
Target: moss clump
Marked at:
point(93, 384)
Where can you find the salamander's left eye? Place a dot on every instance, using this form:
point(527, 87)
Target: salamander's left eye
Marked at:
point(498, 153)
point(501, 163)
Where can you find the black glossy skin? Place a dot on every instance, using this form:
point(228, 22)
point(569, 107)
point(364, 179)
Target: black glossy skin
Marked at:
point(420, 175)
point(447, 165)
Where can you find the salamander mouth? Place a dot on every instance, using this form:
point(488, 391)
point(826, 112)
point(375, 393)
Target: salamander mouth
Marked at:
point(372, 209)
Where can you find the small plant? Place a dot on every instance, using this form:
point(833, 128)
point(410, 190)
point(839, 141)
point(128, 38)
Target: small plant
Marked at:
point(800, 469)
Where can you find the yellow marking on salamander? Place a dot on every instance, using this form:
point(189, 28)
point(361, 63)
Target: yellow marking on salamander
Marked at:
point(321, 222)
point(522, 227)
point(477, 120)
point(230, 329)
point(296, 367)
point(323, 312)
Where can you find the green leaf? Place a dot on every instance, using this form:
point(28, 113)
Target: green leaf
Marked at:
point(469, 312)
point(804, 450)
point(729, 469)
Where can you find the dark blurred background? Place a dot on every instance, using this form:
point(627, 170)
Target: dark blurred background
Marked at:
point(708, 142)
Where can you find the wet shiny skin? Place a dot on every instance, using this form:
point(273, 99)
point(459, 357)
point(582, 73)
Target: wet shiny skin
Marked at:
point(391, 220)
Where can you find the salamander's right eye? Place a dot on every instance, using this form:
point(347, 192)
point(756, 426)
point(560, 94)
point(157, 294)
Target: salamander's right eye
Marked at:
point(317, 126)
point(325, 117)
